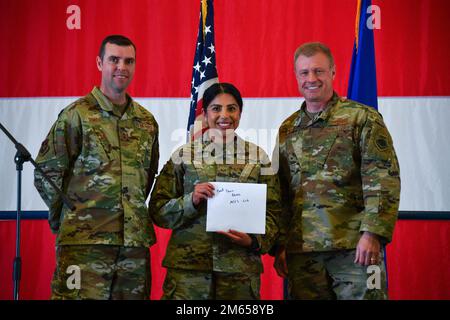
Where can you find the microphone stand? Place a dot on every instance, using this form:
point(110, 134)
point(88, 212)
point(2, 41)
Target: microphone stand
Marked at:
point(22, 156)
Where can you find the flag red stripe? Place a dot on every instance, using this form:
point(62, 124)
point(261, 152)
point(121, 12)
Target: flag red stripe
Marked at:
point(255, 43)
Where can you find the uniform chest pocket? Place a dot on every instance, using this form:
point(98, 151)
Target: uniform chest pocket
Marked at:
point(144, 150)
point(333, 148)
point(250, 173)
point(294, 147)
point(96, 151)
point(138, 137)
point(135, 145)
point(342, 152)
point(320, 144)
point(194, 174)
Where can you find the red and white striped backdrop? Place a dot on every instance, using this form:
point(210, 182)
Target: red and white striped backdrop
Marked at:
point(45, 65)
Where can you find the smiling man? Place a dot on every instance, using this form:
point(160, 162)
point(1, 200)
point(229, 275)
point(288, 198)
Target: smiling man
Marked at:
point(340, 188)
point(103, 153)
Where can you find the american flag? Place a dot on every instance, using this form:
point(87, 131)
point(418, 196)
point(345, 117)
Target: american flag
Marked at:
point(204, 72)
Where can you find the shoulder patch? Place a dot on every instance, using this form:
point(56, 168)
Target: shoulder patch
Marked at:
point(381, 142)
point(44, 148)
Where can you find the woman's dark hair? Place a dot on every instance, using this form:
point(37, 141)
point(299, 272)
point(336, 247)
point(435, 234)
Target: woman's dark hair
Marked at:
point(218, 88)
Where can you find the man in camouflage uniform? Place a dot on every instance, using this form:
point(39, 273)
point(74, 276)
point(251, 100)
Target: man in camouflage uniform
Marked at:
point(340, 183)
point(208, 265)
point(103, 153)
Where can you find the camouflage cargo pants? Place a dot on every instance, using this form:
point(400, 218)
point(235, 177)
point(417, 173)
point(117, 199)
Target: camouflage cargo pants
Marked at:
point(199, 285)
point(334, 275)
point(101, 272)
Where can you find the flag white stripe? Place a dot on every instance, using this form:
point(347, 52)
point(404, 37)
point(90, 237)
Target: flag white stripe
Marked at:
point(418, 126)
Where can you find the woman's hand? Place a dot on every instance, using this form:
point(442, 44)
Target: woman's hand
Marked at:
point(240, 238)
point(202, 191)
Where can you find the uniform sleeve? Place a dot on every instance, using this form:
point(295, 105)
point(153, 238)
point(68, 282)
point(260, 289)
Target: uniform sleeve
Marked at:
point(281, 168)
point(169, 207)
point(56, 156)
point(380, 178)
point(154, 160)
point(273, 209)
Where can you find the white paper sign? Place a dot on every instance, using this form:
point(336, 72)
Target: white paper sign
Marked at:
point(237, 206)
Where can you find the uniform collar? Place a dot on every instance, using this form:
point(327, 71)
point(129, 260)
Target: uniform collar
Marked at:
point(107, 105)
point(323, 115)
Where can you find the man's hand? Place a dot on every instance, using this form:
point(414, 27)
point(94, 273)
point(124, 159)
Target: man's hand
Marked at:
point(202, 191)
point(240, 238)
point(368, 249)
point(280, 262)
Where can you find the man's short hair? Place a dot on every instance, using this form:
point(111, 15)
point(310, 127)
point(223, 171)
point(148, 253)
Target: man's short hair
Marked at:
point(115, 39)
point(311, 48)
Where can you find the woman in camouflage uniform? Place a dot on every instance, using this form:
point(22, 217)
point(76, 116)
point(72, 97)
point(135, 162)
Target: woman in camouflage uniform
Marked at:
point(209, 265)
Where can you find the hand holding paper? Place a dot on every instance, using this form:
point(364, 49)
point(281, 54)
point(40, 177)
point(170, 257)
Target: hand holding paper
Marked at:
point(202, 191)
point(237, 206)
point(240, 238)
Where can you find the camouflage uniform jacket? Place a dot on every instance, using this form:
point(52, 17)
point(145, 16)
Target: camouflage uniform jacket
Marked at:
point(106, 164)
point(339, 176)
point(190, 246)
